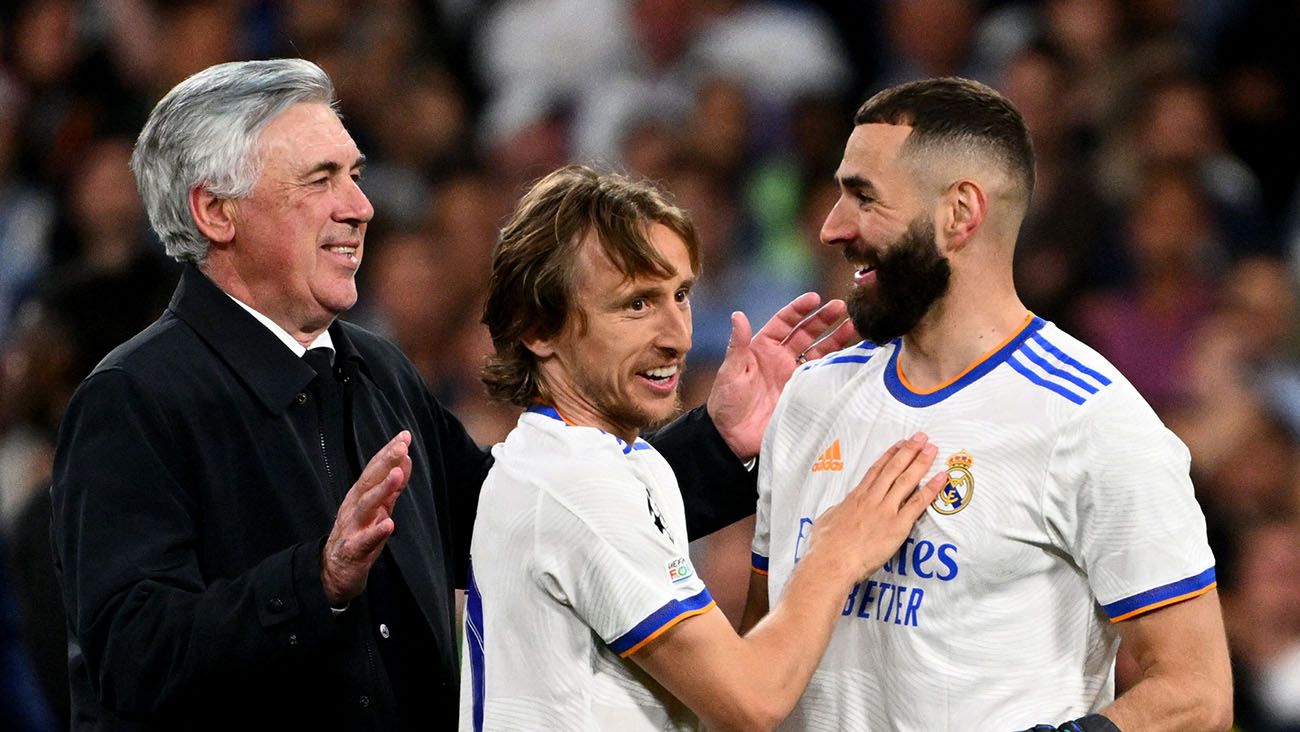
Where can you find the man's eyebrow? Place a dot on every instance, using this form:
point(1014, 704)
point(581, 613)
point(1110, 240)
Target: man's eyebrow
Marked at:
point(331, 166)
point(855, 182)
point(653, 288)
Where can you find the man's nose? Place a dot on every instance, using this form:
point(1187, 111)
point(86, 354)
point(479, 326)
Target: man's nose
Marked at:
point(676, 331)
point(354, 206)
point(839, 227)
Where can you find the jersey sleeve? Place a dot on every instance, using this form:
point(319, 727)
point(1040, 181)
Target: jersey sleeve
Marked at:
point(1121, 503)
point(605, 552)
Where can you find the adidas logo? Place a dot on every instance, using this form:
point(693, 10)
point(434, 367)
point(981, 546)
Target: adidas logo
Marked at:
point(830, 459)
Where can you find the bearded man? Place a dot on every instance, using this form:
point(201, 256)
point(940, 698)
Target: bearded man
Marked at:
point(1067, 522)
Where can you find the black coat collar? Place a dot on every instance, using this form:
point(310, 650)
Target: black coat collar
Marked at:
point(257, 357)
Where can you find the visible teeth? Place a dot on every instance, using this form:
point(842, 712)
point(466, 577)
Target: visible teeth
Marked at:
point(661, 373)
point(342, 249)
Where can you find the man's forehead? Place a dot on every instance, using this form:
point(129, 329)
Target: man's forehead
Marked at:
point(597, 270)
point(308, 133)
point(874, 145)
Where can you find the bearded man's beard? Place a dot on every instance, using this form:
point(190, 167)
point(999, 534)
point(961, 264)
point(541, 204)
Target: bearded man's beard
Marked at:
point(910, 275)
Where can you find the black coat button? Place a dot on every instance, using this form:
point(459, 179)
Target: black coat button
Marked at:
point(275, 604)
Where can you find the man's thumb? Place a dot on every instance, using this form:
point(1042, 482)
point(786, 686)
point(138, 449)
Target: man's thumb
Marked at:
point(741, 332)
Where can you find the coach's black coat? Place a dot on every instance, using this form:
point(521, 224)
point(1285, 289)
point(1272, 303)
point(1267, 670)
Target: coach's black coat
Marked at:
point(194, 486)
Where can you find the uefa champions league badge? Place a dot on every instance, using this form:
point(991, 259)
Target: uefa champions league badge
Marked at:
point(960, 488)
point(680, 570)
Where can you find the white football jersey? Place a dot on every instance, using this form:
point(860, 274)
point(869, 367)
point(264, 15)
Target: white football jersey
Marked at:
point(579, 558)
point(1068, 508)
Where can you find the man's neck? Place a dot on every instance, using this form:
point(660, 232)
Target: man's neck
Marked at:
point(958, 333)
point(581, 414)
point(237, 289)
point(294, 344)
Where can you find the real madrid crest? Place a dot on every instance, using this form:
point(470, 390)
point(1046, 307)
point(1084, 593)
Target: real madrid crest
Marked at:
point(960, 488)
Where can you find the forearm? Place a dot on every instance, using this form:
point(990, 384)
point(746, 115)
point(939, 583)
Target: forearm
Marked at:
point(785, 647)
point(753, 682)
point(1185, 677)
point(756, 603)
point(1177, 704)
point(749, 683)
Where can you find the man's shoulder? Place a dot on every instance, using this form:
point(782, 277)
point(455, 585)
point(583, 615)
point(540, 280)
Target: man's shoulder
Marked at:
point(538, 437)
point(563, 457)
point(1059, 362)
point(163, 346)
point(367, 341)
point(380, 355)
point(1068, 349)
point(820, 380)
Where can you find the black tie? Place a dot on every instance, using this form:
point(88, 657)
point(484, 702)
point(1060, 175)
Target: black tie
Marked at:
point(320, 359)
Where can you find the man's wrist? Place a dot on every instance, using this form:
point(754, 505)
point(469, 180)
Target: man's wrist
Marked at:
point(1089, 723)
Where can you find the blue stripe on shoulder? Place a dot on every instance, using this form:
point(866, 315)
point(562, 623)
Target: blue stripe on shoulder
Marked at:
point(1057, 372)
point(852, 354)
point(1067, 376)
point(1065, 358)
point(758, 561)
point(1024, 370)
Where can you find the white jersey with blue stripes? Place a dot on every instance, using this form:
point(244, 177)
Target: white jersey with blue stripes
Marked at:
point(1068, 508)
point(579, 558)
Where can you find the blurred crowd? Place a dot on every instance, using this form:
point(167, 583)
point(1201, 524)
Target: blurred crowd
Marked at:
point(1165, 229)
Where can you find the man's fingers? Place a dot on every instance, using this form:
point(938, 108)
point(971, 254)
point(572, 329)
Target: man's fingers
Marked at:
point(363, 544)
point(400, 478)
point(795, 326)
point(783, 327)
point(879, 465)
point(906, 483)
point(922, 497)
point(364, 520)
point(383, 494)
point(395, 453)
point(406, 468)
point(830, 313)
point(898, 462)
point(794, 313)
point(843, 335)
point(389, 455)
point(808, 334)
point(367, 543)
point(800, 334)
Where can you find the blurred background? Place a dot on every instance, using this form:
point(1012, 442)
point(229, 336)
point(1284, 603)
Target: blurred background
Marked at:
point(1165, 230)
